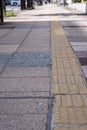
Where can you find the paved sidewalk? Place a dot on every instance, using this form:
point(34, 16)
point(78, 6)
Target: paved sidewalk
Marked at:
point(25, 71)
point(32, 44)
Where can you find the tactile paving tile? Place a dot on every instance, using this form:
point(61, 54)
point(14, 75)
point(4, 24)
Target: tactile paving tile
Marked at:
point(73, 100)
point(69, 85)
point(71, 127)
point(70, 115)
point(69, 89)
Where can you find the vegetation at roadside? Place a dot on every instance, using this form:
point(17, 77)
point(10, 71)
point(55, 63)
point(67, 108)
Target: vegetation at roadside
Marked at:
point(9, 13)
point(84, 1)
point(79, 1)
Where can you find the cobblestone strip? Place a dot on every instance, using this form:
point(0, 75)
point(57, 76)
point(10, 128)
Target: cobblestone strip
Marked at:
point(69, 86)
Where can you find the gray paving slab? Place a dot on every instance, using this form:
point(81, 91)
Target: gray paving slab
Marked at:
point(25, 72)
point(40, 29)
point(19, 31)
point(4, 57)
point(80, 48)
point(84, 69)
point(36, 32)
point(31, 42)
point(76, 32)
point(81, 54)
point(41, 25)
point(30, 23)
point(31, 59)
point(38, 38)
point(83, 61)
point(3, 32)
point(68, 23)
point(24, 84)
point(34, 48)
point(24, 89)
point(82, 22)
point(15, 36)
point(25, 26)
point(1, 69)
point(78, 43)
point(7, 41)
point(24, 95)
point(23, 122)
point(77, 39)
point(8, 48)
point(78, 23)
point(23, 106)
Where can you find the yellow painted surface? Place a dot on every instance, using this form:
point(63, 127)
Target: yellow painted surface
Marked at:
point(69, 85)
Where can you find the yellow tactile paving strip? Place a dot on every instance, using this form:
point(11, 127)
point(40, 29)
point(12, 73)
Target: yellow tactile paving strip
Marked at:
point(69, 85)
point(71, 128)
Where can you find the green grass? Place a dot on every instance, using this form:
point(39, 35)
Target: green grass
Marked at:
point(9, 14)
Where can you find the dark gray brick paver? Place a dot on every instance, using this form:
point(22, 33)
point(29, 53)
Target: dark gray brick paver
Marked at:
point(31, 59)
